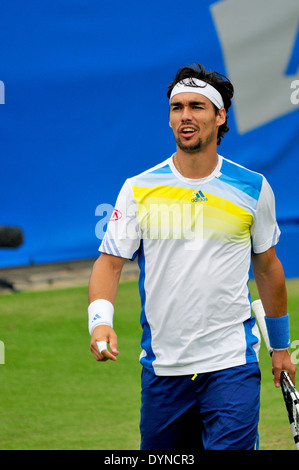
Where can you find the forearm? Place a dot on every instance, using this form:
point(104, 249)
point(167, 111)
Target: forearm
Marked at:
point(103, 286)
point(104, 278)
point(270, 280)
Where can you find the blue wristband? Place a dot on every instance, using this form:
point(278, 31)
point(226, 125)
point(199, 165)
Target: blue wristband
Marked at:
point(279, 331)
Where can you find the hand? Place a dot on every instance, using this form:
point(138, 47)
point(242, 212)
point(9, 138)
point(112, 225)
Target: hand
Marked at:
point(282, 360)
point(107, 334)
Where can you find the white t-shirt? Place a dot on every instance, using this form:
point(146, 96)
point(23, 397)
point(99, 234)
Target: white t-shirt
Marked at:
point(193, 239)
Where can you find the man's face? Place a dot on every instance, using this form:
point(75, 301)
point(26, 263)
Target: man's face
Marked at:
point(194, 122)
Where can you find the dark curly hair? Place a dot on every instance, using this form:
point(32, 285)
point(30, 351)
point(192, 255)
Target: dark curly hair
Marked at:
point(217, 80)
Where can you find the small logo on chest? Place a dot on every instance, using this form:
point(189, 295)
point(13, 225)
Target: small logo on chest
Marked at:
point(198, 196)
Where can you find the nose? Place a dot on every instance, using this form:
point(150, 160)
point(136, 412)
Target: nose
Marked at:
point(186, 114)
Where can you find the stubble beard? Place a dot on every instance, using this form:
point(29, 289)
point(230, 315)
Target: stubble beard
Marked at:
point(198, 146)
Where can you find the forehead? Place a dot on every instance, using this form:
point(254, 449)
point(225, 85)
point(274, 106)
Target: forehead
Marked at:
point(188, 97)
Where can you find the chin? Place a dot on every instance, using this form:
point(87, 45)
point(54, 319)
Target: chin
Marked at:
point(190, 148)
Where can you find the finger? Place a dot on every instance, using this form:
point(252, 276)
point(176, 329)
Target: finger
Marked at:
point(102, 345)
point(108, 355)
point(103, 350)
point(113, 345)
point(292, 374)
point(276, 378)
point(96, 353)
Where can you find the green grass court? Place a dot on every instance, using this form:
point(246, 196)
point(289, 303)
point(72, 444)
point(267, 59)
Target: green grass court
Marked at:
point(54, 395)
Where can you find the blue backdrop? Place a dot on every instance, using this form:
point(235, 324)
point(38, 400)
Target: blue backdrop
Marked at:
point(86, 107)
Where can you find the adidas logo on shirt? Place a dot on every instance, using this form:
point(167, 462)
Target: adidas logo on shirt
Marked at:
point(198, 196)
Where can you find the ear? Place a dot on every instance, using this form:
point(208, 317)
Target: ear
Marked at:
point(170, 124)
point(221, 117)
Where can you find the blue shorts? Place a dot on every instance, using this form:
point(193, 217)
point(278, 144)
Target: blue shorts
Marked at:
point(216, 411)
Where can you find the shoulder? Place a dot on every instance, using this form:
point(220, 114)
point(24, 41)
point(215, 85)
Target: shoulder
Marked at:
point(157, 175)
point(242, 178)
point(154, 176)
point(161, 168)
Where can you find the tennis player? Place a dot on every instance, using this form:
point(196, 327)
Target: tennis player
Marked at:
point(195, 222)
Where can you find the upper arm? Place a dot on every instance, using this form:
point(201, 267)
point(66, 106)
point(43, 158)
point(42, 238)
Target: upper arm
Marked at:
point(270, 280)
point(122, 237)
point(263, 262)
point(110, 262)
point(105, 277)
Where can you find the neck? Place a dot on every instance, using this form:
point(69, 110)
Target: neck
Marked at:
point(195, 165)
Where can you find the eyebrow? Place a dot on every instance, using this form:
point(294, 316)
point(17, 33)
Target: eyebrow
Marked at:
point(179, 103)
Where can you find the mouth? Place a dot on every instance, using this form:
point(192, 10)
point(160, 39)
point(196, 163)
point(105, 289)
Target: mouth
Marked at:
point(187, 131)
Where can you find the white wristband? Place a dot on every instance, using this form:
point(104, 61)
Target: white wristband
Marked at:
point(100, 312)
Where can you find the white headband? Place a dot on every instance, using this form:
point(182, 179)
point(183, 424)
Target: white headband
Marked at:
point(202, 88)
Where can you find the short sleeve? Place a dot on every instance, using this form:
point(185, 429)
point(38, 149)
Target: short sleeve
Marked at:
point(265, 231)
point(122, 237)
